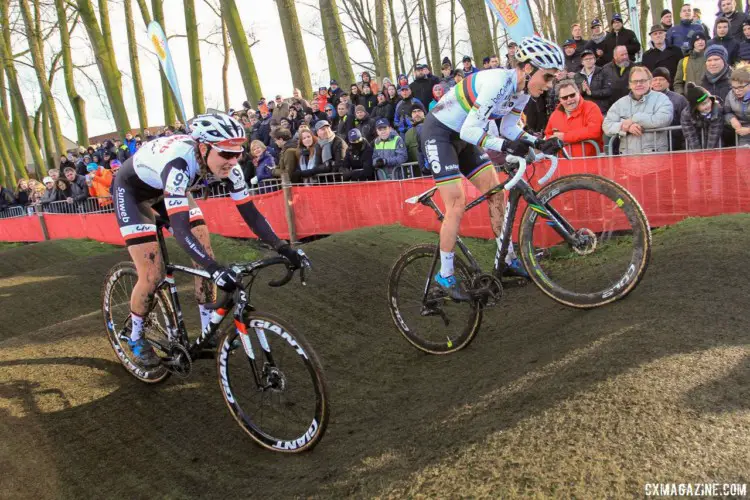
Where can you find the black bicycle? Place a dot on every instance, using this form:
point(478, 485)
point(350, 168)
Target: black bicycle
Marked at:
point(272, 381)
point(584, 240)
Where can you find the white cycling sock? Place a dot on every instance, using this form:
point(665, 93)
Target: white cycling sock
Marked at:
point(205, 316)
point(511, 253)
point(137, 327)
point(446, 264)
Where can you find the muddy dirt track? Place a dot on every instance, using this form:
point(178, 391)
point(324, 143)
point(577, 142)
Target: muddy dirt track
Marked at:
point(547, 400)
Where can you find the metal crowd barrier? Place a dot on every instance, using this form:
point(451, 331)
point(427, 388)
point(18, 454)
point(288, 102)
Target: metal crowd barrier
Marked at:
point(670, 140)
point(571, 148)
point(101, 205)
point(12, 212)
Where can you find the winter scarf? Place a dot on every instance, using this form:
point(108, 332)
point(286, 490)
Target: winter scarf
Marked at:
point(325, 146)
point(713, 78)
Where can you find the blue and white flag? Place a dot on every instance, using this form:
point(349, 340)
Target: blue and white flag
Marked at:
point(159, 41)
point(515, 16)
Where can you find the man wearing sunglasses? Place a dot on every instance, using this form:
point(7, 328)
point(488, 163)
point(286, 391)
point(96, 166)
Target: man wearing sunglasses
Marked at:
point(483, 112)
point(575, 120)
point(156, 181)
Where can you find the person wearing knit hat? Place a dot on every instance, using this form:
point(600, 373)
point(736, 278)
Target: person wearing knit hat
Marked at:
point(718, 71)
point(661, 54)
point(702, 121)
point(692, 67)
point(660, 83)
point(666, 19)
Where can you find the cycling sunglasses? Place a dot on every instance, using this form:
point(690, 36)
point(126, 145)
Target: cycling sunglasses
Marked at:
point(230, 148)
point(229, 155)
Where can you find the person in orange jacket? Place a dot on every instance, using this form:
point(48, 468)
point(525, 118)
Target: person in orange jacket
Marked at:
point(575, 120)
point(99, 179)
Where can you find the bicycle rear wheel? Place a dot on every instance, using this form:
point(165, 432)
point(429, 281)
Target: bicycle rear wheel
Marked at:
point(614, 235)
point(435, 324)
point(273, 384)
point(116, 292)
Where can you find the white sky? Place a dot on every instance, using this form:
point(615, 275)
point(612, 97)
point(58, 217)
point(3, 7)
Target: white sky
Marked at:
point(260, 16)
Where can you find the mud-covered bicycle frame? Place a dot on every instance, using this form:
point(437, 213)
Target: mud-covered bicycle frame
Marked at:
point(517, 187)
point(239, 300)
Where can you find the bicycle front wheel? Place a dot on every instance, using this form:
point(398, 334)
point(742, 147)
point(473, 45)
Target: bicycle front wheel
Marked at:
point(273, 384)
point(431, 322)
point(614, 241)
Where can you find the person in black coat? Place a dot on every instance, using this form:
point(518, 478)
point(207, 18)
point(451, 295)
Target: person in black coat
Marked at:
point(593, 82)
point(383, 109)
point(421, 87)
point(597, 43)
point(572, 57)
point(620, 36)
point(722, 38)
point(661, 55)
point(358, 159)
point(365, 124)
point(618, 73)
point(368, 99)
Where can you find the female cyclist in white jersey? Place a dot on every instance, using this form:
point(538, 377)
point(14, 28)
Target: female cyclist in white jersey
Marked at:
point(482, 112)
point(155, 181)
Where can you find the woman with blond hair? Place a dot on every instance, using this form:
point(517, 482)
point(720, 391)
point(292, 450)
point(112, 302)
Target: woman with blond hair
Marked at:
point(23, 192)
point(737, 103)
point(262, 160)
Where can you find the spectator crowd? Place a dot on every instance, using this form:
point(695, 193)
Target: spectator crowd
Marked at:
point(686, 90)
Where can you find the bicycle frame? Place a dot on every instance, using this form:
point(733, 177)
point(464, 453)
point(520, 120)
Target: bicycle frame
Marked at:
point(518, 190)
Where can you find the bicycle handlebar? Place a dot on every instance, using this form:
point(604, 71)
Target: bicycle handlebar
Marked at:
point(519, 173)
point(248, 268)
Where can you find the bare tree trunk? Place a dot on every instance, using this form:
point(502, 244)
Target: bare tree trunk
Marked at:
point(225, 65)
point(35, 46)
point(196, 69)
point(610, 7)
point(495, 43)
point(398, 53)
point(241, 50)
point(166, 94)
point(411, 38)
point(295, 47)
point(383, 66)
point(644, 23)
point(135, 67)
point(107, 64)
point(656, 7)
point(335, 41)
point(17, 127)
point(423, 32)
point(47, 139)
point(432, 26)
point(479, 32)
point(11, 156)
point(453, 33)
point(76, 101)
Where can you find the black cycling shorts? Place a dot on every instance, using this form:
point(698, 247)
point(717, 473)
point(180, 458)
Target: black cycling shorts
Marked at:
point(448, 156)
point(137, 204)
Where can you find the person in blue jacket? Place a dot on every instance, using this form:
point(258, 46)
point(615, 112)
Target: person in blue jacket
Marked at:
point(680, 34)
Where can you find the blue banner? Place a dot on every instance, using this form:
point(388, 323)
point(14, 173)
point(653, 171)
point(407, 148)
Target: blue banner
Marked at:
point(515, 16)
point(159, 41)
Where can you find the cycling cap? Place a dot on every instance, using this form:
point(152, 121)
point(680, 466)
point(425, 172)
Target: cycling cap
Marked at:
point(220, 130)
point(540, 53)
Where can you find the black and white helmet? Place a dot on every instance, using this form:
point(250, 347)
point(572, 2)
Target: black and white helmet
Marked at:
point(221, 131)
point(540, 53)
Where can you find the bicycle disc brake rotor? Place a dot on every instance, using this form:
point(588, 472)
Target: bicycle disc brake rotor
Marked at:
point(588, 241)
point(487, 289)
point(275, 379)
point(179, 363)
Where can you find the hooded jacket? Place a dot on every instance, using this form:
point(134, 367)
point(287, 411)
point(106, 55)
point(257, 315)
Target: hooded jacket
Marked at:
point(653, 110)
point(100, 183)
point(740, 109)
point(583, 123)
point(735, 24)
point(358, 162)
point(743, 51)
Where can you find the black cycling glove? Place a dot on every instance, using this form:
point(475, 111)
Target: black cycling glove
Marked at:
point(551, 146)
point(515, 148)
point(226, 279)
point(292, 255)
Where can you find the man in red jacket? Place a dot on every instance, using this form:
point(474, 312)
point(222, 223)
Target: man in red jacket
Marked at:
point(575, 120)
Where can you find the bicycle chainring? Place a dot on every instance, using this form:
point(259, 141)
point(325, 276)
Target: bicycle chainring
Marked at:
point(180, 363)
point(487, 289)
point(588, 241)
